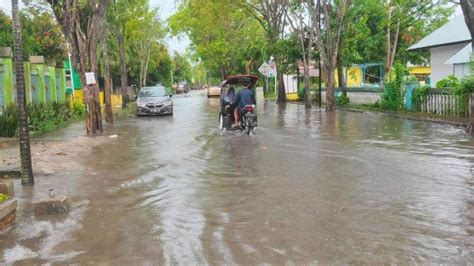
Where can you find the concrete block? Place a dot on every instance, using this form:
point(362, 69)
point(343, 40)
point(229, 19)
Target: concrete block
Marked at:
point(37, 59)
point(6, 187)
point(6, 52)
point(56, 205)
point(7, 214)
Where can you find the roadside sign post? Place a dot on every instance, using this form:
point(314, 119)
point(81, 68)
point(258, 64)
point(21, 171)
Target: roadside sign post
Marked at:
point(90, 78)
point(267, 71)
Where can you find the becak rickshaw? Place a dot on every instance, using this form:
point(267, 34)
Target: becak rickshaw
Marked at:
point(247, 115)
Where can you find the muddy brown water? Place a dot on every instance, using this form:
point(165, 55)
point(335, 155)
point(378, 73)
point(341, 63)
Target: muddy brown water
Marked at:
point(308, 188)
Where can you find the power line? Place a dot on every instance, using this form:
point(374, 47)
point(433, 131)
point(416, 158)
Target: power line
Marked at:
point(408, 20)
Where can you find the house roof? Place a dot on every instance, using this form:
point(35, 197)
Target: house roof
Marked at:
point(462, 56)
point(453, 32)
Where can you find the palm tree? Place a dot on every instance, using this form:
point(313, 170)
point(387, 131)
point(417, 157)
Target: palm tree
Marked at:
point(24, 135)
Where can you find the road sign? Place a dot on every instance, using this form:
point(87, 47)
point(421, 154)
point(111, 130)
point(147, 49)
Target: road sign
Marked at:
point(90, 78)
point(266, 70)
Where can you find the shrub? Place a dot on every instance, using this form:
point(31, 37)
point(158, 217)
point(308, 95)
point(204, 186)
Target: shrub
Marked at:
point(418, 95)
point(449, 82)
point(42, 117)
point(301, 93)
point(411, 79)
point(78, 109)
point(342, 100)
point(9, 121)
point(392, 97)
point(463, 90)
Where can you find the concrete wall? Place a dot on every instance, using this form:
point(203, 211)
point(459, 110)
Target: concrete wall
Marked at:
point(358, 97)
point(438, 57)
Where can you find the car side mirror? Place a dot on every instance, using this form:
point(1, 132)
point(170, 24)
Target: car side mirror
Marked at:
point(136, 97)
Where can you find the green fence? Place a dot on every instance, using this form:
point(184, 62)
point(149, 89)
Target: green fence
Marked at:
point(44, 82)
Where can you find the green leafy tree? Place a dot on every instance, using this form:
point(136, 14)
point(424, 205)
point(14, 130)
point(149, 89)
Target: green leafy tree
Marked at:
point(182, 70)
point(41, 34)
point(223, 35)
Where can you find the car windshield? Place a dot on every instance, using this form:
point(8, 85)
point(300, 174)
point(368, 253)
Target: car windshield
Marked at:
point(153, 92)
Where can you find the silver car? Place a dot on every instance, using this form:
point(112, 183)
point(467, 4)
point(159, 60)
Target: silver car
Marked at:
point(154, 101)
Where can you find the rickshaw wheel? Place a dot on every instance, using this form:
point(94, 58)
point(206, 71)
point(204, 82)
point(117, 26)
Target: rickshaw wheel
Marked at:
point(221, 121)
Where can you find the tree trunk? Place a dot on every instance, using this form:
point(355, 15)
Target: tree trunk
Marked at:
point(307, 85)
point(109, 117)
point(330, 93)
point(123, 67)
point(281, 88)
point(468, 11)
point(82, 34)
point(95, 113)
point(391, 47)
point(24, 135)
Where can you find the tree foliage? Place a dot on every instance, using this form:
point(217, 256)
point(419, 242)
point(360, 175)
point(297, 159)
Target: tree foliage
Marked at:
point(41, 34)
point(223, 35)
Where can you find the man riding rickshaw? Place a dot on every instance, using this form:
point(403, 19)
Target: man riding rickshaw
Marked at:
point(238, 109)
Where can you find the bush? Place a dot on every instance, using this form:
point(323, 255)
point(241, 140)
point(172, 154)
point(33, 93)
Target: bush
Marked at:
point(449, 82)
point(463, 90)
point(42, 117)
point(392, 97)
point(342, 100)
point(411, 79)
point(78, 109)
point(301, 93)
point(9, 121)
point(418, 95)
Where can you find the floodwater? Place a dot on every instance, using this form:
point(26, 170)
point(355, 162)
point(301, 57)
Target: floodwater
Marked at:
point(308, 188)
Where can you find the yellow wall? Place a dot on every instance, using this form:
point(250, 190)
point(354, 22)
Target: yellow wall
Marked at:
point(354, 77)
point(78, 96)
point(419, 70)
point(116, 99)
point(292, 97)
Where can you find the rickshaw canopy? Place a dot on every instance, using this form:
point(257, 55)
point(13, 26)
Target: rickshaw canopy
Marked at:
point(240, 80)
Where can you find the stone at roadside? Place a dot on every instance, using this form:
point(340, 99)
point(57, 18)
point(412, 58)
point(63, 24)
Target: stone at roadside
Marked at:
point(56, 205)
point(7, 214)
point(6, 187)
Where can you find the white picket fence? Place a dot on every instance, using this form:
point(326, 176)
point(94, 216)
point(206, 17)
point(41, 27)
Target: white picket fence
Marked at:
point(444, 104)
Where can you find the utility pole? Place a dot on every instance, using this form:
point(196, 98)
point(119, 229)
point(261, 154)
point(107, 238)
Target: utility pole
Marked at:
point(24, 135)
point(320, 101)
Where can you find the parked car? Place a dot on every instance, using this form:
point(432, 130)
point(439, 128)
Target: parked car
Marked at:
point(154, 101)
point(214, 91)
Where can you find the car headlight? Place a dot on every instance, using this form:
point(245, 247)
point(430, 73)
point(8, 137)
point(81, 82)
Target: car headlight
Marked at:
point(141, 104)
point(168, 103)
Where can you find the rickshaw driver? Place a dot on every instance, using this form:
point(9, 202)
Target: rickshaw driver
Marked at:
point(244, 97)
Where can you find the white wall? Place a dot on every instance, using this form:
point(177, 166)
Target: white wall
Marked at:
point(461, 70)
point(439, 56)
point(291, 83)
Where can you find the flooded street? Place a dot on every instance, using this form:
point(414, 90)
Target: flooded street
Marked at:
point(309, 187)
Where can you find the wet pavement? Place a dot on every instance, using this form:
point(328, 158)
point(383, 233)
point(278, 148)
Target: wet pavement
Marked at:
point(308, 188)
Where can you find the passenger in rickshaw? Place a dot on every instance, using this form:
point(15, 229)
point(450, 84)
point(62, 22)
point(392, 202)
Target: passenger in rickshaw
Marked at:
point(244, 97)
point(230, 96)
